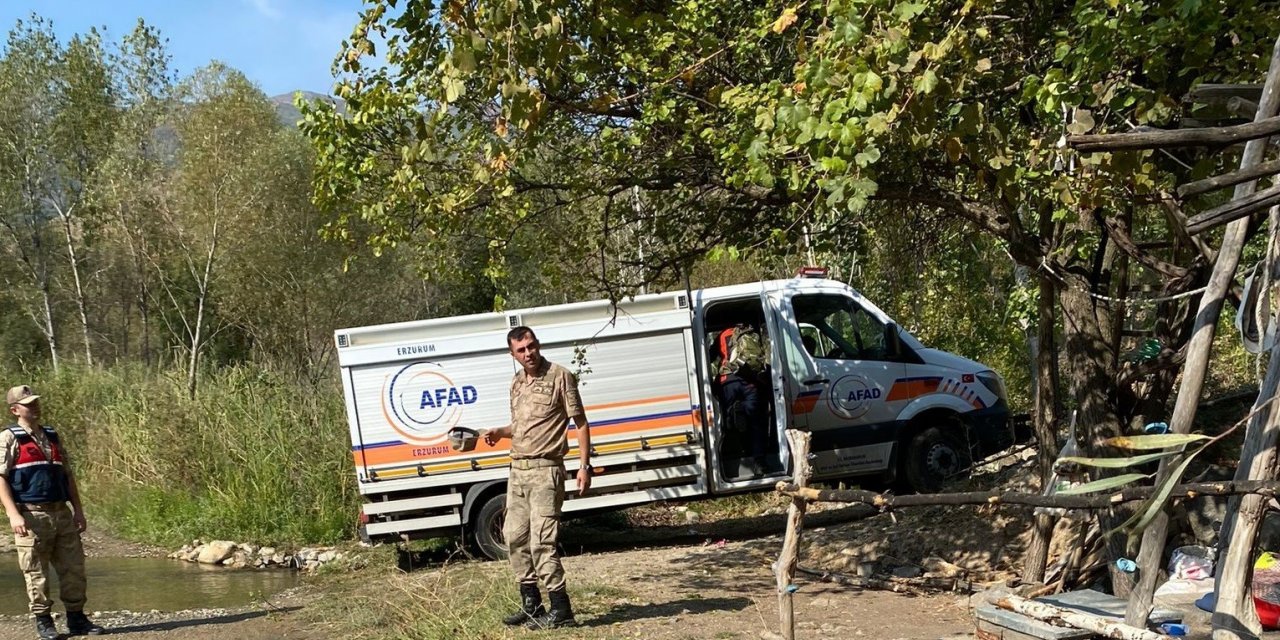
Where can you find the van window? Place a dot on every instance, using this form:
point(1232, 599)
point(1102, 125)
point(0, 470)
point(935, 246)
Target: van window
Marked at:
point(841, 330)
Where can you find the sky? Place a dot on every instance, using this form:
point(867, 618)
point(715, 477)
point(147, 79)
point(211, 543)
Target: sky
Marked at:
point(282, 45)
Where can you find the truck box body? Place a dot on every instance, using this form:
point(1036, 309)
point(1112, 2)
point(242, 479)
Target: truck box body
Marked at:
point(651, 393)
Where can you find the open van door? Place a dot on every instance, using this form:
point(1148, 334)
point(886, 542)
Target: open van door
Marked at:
point(842, 359)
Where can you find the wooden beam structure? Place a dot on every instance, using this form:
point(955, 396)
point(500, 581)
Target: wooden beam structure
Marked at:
point(1233, 210)
point(1198, 187)
point(1167, 139)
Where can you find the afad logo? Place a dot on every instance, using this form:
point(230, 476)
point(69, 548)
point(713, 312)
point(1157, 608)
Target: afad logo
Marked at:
point(421, 403)
point(851, 396)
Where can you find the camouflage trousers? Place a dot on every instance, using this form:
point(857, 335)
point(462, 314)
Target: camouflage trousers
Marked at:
point(534, 497)
point(51, 538)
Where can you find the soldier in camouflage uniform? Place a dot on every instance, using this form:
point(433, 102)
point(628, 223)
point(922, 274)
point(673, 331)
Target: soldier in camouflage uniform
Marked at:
point(544, 396)
point(36, 489)
point(744, 356)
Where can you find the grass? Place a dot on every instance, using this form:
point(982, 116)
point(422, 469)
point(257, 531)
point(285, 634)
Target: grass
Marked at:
point(459, 600)
point(253, 458)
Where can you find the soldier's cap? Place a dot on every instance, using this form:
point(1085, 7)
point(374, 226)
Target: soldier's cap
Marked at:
point(21, 394)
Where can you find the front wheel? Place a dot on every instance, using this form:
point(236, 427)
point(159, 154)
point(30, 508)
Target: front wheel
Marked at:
point(487, 527)
point(933, 457)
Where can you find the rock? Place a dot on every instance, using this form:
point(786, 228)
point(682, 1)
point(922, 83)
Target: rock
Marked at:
point(216, 552)
point(940, 568)
point(279, 559)
point(326, 556)
point(307, 554)
point(267, 552)
point(907, 571)
point(692, 517)
point(249, 549)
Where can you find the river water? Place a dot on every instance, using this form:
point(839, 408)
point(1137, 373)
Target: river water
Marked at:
point(143, 584)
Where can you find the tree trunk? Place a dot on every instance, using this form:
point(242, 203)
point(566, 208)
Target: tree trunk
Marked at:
point(1045, 425)
point(50, 332)
point(81, 304)
point(1198, 352)
point(1091, 345)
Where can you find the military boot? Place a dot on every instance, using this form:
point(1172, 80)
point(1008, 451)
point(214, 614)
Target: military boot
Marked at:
point(560, 615)
point(46, 629)
point(530, 606)
point(78, 624)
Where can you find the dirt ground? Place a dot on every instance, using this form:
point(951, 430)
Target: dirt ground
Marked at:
point(683, 584)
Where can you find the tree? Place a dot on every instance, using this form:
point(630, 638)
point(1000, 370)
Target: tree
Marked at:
point(28, 168)
point(741, 123)
point(224, 133)
point(132, 181)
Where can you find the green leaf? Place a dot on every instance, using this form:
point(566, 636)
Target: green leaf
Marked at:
point(1155, 441)
point(1155, 504)
point(928, 82)
point(1104, 484)
point(868, 156)
point(1117, 463)
point(453, 89)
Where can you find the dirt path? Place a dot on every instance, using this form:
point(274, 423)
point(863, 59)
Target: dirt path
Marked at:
point(689, 588)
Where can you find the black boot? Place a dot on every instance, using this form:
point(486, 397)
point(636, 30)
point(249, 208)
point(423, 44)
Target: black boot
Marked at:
point(78, 624)
point(530, 606)
point(46, 629)
point(560, 615)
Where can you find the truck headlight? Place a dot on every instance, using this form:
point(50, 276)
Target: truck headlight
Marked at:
point(994, 383)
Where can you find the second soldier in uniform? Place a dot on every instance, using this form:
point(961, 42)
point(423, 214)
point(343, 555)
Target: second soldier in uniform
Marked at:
point(544, 397)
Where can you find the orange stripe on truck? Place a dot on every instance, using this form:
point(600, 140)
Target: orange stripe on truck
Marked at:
point(411, 453)
point(908, 388)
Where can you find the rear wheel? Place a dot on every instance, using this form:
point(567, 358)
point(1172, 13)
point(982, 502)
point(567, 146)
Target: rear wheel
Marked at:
point(487, 527)
point(935, 456)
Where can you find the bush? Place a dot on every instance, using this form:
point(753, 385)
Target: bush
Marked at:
point(253, 458)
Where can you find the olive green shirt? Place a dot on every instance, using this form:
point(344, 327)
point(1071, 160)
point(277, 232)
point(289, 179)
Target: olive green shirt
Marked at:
point(540, 411)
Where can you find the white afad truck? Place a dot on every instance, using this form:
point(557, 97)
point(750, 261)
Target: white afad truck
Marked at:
point(878, 403)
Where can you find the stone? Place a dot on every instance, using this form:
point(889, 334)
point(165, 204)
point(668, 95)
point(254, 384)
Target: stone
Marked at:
point(279, 558)
point(907, 571)
point(941, 568)
point(267, 551)
point(249, 548)
point(326, 556)
point(216, 552)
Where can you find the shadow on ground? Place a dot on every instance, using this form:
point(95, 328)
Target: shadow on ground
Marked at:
point(170, 625)
point(687, 606)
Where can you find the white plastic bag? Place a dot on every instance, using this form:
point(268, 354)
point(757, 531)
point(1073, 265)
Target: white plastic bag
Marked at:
point(1191, 562)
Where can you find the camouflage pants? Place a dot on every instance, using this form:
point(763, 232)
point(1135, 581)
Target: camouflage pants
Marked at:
point(534, 497)
point(51, 538)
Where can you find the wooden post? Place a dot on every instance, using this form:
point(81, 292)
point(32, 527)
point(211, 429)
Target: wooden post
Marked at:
point(1198, 351)
point(1234, 614)
point(787, 560)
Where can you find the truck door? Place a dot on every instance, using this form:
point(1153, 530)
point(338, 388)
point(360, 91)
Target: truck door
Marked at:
point(841, 371)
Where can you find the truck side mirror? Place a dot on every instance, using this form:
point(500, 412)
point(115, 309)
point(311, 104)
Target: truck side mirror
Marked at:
point(893, 341)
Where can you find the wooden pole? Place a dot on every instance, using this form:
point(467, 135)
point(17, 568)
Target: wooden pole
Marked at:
point(1228, 179)
point(787, 560)
point(1166, 139)
point(1098, 625)
point(1234, 614)
point(1233, 209)
point(1220, 92)
point(889, 502)
point(1198, 351)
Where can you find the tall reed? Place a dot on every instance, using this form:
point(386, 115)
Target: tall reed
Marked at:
point(255, 457)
